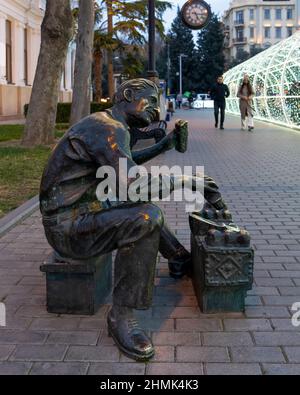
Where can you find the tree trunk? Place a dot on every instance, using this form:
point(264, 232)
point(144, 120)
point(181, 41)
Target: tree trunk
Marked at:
point(110, 67)
point(57, 30)
point(83, 61)
point(98, 67)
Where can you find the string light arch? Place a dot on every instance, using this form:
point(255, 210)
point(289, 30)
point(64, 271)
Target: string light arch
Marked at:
point(275, 77)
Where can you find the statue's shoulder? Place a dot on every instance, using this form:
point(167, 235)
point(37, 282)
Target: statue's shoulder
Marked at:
point(100, 123)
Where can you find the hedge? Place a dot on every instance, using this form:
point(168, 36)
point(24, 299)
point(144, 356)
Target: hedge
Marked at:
point(64, 110)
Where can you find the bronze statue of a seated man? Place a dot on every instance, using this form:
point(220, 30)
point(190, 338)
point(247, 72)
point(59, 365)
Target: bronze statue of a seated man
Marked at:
point(78, 226)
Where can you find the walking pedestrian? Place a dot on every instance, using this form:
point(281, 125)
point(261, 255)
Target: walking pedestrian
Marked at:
point(179, 100)
point(191, 100)
point(246, 94)
point(219, 94)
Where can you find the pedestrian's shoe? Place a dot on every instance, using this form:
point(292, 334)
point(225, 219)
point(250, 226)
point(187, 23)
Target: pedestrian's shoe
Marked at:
point(222, 127)
point(216, 125)
point(251, 129)
point(180, 265)
point(129, 337)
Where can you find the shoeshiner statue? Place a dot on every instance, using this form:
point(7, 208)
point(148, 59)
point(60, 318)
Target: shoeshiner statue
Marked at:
point(78, 226)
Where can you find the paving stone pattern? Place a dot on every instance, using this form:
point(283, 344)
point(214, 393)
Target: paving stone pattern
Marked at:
point(259, 174)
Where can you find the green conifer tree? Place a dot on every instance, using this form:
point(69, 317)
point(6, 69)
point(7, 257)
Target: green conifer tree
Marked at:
point(181, 41)
point(210, 59)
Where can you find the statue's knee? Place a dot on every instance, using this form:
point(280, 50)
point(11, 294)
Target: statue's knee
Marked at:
point(154, 216)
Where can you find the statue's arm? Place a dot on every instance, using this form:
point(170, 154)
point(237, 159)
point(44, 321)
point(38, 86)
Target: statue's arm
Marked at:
point(177, 139)
point(143, 156)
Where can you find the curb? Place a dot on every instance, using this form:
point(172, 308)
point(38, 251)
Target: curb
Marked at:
point(18, 215)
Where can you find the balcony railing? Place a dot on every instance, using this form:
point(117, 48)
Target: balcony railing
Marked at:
point(239, 22)
point(240, 40)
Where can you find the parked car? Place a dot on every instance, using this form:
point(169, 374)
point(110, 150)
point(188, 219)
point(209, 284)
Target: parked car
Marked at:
point(203, 101)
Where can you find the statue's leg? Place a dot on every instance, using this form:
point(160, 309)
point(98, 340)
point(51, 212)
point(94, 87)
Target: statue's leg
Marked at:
point(134, 282)
point(134, 230)
point(179, 258)
point(135, 266)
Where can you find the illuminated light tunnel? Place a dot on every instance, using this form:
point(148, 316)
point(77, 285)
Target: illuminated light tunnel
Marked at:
point(275, 77)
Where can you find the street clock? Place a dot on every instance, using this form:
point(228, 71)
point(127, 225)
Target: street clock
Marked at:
point(196, 14)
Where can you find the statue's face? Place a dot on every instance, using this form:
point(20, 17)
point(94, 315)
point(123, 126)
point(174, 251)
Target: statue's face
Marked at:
point(142, 107)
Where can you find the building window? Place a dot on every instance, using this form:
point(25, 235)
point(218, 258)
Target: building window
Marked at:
point(8, 52)
point(240, 17)
point(267, 32)
point(289, 13)
point(289, 31)
point(278, 32)
point(26, 56)
point(251, 14)
point(240, 35)
point(267, 13)
point(252, 32)
point(278, 14)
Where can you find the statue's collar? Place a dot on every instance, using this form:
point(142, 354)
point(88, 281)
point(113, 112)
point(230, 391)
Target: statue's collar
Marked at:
point(117, 116)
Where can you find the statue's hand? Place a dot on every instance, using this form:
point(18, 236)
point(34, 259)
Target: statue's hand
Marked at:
point(211, 192)
point(178, 138)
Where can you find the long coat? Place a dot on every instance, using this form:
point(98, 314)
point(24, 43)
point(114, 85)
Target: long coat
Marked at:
point(246, 106)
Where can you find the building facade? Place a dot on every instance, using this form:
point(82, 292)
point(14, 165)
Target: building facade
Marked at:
point(252, 25)
point(20, 39)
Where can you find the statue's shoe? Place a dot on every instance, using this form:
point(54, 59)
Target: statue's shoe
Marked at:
point(130, 338)
point(180, 265)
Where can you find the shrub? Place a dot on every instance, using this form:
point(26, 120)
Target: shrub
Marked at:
point(64, 110)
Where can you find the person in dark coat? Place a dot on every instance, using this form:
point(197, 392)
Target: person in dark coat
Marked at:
point(219, 94)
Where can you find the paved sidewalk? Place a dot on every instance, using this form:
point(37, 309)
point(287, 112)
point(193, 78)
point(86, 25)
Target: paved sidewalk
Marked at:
point(259, 175)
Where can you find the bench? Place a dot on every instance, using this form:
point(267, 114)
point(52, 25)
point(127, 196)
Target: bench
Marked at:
point(77, 287)
point(156, 131)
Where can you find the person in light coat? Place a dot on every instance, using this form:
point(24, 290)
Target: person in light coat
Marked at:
point(246, 94)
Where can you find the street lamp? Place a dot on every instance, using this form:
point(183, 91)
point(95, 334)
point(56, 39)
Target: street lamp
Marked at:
point(180, 71)
point(152, 73)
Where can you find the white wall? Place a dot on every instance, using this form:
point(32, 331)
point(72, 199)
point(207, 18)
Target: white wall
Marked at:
point(23, 14)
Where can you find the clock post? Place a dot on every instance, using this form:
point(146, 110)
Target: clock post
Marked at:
point(152, 73)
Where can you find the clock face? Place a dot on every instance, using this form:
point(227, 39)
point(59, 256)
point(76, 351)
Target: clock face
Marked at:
point(196, 14)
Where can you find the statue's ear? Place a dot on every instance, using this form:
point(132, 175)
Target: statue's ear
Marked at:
point(128, 95)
